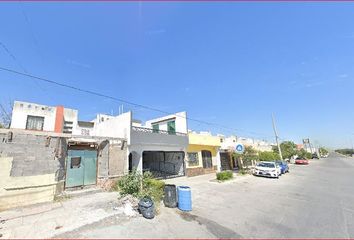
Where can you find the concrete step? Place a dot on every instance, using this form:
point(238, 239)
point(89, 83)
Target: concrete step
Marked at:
point(81, 191)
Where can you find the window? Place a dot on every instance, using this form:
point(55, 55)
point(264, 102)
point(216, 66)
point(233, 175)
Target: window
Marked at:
point(193, 159)
point(75, 162)
point(171, 127)
point(34, 123)
point(155, 128)
point(207, 160)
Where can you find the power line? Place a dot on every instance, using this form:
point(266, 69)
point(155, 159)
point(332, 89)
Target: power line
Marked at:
point(5, 112)
point(20, 65)
point(13, 57)
point(33, 35)
point(124, 101)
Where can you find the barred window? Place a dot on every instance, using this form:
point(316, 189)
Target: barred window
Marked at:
point(34, 123)
point(193, 159)
point(207, 159)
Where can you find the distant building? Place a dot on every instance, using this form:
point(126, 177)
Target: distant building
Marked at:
point(38, 117)
point(158, 146)
point(203, 154)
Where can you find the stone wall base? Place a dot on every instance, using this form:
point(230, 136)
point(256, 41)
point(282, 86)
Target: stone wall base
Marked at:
point(191, 172)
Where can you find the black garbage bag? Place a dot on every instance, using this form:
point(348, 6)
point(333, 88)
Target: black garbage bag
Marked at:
point(147, 208)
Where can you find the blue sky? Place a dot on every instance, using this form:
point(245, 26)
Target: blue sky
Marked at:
point(229, 63)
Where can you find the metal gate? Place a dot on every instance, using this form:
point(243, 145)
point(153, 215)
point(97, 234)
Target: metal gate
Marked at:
point(225, 161)
point(81, 166)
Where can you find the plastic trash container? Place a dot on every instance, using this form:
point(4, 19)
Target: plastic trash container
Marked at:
point(170, 196)
point(184, 198)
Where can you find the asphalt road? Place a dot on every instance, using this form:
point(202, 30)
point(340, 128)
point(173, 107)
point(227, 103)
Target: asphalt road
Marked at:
point(314, 201)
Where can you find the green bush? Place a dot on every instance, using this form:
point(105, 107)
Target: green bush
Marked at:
point(224, 175)
point(130, 184)
point(242, 171)
point(308, 155)
point(154, 189)
point(268, 156)
point(140, 186)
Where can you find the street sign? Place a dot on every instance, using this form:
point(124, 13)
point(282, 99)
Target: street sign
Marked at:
point(239, 148)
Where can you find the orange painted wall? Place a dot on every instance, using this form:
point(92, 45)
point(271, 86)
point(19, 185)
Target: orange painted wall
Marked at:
point(59, 119)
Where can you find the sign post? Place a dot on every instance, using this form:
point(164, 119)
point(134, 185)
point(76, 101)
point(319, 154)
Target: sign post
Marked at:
point(239, 148)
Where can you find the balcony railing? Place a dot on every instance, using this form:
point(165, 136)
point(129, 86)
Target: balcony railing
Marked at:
point(149, 130)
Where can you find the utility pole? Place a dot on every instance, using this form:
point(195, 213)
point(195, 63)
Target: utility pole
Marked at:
point(276, 136)
point(351, 140)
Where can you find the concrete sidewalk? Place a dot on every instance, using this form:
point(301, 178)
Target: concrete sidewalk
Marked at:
point(50, 219)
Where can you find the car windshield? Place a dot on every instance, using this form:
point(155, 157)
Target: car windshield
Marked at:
point(267, 165)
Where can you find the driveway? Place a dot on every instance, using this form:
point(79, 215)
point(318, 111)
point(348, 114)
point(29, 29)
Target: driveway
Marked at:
point(311, 201)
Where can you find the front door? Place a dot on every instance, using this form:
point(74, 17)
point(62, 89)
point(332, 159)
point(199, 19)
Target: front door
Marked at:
point(81, 166)
point(207, 159)
point(225, 161)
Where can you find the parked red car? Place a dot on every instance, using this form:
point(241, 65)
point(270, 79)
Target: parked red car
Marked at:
point(302, 161)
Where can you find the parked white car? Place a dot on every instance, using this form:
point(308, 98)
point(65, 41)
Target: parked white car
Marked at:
point(267, 169)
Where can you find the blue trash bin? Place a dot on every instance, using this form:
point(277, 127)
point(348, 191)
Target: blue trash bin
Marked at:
point(184, 198)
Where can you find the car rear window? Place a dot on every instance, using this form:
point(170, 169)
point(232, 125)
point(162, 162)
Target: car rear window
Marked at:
point(268, 165)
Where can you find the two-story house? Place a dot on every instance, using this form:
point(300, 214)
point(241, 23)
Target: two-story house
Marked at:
point(158, 146)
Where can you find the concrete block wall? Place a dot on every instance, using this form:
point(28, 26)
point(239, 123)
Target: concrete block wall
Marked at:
point(112, 155)
point(103, 158)
point(34, 154)
point(32, 167)
point(20, 191)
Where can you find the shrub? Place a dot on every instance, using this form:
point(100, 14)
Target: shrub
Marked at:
point(242, 171)
point(130, 184)
point(268, 156)
point(224, 175)
point(140, 186)
point(154, 189)
point(308, 155)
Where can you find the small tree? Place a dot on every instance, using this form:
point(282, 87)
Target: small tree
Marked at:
point(247, 156)
point(323, 151)
point(301, 153)
point(288, 149)
point(268, 156)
